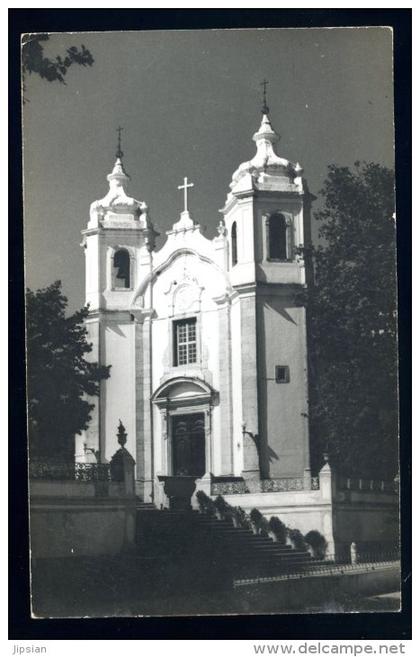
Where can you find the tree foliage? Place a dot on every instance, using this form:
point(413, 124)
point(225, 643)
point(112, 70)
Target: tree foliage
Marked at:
point(34, 60)
point(352, 323)
point(58, 375)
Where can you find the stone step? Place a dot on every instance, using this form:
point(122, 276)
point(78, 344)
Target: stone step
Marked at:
point(257, 544)
point(279, 557)
point(188, 535)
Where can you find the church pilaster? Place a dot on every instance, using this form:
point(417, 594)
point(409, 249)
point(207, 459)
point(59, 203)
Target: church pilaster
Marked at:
point(140, 455)
point(208, 438)
point(147, 423)
point(249, 369)
point(225, 387)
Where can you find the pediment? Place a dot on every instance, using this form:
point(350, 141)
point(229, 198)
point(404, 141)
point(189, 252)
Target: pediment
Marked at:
point(183, 389)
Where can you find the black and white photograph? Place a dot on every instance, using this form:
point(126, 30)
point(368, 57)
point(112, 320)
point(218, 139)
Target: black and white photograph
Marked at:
point(211, 322)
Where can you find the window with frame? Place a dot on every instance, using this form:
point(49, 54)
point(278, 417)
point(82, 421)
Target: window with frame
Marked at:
point(185, 341)
point(282, 374)
point(278, 234)
point(121, 269)
point(234, 244)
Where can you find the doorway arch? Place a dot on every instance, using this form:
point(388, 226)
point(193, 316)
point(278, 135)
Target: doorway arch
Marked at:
point(185, 405)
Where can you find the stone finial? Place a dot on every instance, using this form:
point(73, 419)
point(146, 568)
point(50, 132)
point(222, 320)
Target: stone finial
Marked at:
point(265, 134)
point(118, 174)
point(122, 434)
point(221, 228)
point(326, 468)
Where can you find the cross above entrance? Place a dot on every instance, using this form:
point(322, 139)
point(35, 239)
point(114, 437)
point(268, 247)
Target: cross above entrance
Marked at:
point(185, 187)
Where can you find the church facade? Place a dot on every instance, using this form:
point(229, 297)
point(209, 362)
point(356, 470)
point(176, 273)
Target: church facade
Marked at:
point(205, 337)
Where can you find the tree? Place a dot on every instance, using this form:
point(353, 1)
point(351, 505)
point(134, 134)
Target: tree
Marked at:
point(34, 61)
point(58, 375)
point(352, 324)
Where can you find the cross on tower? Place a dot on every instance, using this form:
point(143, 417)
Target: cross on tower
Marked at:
point(119, 152)
point(185, 187)
point(265, 109)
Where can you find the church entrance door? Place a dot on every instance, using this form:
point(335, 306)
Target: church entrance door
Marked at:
point(188, 445)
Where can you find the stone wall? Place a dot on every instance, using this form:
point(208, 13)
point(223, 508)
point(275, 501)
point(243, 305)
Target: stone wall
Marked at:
point(73, 518)
point(327, 589)
point(81, 526)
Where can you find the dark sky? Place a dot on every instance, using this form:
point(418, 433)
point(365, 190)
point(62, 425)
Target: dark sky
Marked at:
point(189, 102)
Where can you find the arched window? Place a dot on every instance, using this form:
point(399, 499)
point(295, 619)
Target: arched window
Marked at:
point(277, 237)
point(234, 245)
point(121, 269)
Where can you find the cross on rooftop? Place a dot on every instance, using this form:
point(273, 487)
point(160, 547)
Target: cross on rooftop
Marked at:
point(265, 108)
point(119, 152)
point(185, 187)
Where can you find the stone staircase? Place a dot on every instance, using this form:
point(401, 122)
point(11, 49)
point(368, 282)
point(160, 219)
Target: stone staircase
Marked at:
point(202, 544)
point(252, 554)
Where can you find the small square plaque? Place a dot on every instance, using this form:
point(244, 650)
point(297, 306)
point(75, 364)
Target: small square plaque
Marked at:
point(282, 374)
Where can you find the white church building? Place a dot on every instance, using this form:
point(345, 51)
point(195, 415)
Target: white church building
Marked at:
point(206, 342)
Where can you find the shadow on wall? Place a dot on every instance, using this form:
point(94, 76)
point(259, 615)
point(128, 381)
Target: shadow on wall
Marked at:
point(272, 455)
point(280, 309)
point(115, 329)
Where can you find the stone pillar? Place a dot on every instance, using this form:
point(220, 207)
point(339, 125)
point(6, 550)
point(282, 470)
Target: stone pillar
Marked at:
point(144, 423)
point(249, 367)
point(225, 389)
point(203, 484)
point(208, 439)
point(90, 441)
point(122, 466)
point(326, 490)
point(327, 484)
point(128, 469)
point(305, 404)
point(160, 498)
point(166, 465)
point(307, 479)
point(138, 337)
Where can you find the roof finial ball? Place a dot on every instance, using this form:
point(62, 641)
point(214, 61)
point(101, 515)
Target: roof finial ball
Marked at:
point(122, 434)
point(119, 152)
point(265, 109)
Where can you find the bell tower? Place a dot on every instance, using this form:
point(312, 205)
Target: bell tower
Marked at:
point(118, 240)
point(267, 217)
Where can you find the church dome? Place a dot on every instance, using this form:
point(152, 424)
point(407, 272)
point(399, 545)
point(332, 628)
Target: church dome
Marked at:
point(117, 199)
point(116, 208)
point(266, 167)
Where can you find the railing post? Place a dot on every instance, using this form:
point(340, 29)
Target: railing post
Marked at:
point(203, 484)
point(122, 471)
point(327, 493)
point(307, 479)
point(353, 553)
point(326, 481)
point(122, 465)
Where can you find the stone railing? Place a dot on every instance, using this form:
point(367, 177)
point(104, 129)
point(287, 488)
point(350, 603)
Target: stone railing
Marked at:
point(69, 471)
point(284, 485)
point(241, 486)
point(229, 487)
point(348, 483)
point(264, 486)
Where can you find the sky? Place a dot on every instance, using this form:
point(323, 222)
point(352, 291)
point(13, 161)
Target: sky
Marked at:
point(189, 103)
